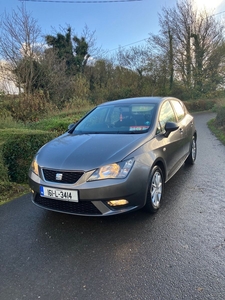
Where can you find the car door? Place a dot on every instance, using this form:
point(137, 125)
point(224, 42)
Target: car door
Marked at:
point(173, 144)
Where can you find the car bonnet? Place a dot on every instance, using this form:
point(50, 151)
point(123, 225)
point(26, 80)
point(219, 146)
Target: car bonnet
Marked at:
point(87, 151)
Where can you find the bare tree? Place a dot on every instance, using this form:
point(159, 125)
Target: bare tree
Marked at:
point(189, 40)
point(164, 44)
point(20, 45)
point(54, 81)
point(134, 58)
point(207, 40)
point(93, 50)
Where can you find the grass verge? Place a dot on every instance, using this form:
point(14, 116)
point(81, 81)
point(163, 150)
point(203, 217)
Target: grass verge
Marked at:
point(11, 190)
point(219, 132)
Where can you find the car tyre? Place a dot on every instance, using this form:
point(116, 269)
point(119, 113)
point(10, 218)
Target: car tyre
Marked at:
point(155, 190)
point(193, 152)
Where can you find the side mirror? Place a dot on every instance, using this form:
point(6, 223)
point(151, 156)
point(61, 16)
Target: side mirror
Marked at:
point(169, 127)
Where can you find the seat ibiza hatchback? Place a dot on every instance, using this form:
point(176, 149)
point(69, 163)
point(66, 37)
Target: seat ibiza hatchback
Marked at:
point(116, 159)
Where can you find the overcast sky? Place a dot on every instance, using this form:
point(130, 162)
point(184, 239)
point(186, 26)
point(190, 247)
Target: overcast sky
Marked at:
point(115, 24)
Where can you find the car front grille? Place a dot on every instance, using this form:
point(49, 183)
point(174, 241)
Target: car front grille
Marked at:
point(79, 208)
point(66, 177)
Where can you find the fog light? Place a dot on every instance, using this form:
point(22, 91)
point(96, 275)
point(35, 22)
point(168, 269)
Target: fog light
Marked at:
point(117, 202)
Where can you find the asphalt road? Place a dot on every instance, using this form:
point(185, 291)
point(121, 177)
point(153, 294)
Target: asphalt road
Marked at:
point(179, 253)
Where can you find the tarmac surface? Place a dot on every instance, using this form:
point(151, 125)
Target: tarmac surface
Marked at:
point(178, 253)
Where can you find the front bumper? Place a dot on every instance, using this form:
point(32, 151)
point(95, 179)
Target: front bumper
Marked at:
point(93, 197)
point(82, 208)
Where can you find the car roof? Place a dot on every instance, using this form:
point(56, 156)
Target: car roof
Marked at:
point(136, 100)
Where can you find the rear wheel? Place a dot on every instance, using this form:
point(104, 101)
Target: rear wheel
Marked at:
point(155, 190)
point(193, 152)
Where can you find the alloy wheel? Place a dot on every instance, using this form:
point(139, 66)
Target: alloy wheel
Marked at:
point(156, 189)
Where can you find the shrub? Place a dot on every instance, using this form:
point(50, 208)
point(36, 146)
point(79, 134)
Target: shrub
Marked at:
point(30, 108)
point(200, 105)
point(220, 118)
point(18, 152)
point(3, 170)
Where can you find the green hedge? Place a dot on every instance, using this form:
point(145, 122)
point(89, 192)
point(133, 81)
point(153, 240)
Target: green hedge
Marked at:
point(51, 124)
point(200, 105)
point(18, 152)
point(3, 170)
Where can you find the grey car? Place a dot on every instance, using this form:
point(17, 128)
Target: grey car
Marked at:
point(116, 159)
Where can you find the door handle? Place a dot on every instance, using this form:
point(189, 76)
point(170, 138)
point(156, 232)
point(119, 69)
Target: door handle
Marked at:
point(181, 130)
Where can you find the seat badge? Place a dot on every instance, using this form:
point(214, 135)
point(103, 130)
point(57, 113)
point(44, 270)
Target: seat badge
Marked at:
point(58, 176)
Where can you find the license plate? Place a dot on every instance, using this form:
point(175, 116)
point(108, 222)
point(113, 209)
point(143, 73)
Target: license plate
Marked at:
point(59, 194)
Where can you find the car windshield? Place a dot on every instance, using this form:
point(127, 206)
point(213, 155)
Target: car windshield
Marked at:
point(130, 118)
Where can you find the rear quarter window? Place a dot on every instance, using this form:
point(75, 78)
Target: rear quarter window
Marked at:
point(179, 109)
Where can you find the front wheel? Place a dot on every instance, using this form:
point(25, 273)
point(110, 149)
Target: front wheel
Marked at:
point(155, 190)
point(193, 152)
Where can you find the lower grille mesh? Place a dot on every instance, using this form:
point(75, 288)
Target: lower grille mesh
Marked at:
point(80, 208)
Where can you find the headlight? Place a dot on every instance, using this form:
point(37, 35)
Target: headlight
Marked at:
point(34, 166)
point(116, 170)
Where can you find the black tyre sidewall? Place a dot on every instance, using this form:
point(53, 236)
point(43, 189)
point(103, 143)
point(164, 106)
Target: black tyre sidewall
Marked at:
point(190, 160)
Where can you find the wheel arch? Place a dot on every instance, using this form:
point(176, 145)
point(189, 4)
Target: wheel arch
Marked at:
point(162, 166)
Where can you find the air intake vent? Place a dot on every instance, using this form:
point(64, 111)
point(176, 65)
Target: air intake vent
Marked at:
point(80, 208)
